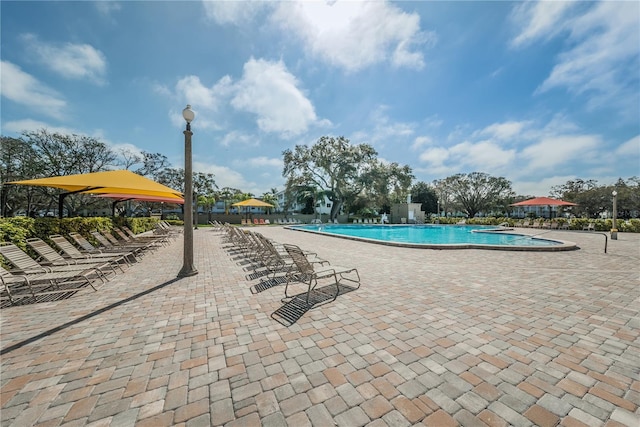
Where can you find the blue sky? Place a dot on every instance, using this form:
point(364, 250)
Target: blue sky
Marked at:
point(539, 93)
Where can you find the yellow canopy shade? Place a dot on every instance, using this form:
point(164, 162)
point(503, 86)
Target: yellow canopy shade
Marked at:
point(118, 181)
point(254, 203)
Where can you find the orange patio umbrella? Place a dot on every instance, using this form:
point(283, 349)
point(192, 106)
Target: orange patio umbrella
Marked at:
point(543, 201)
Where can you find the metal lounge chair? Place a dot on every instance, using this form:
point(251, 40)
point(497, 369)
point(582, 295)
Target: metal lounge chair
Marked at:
point(49, 257)
point(24, 264)
point(309, 274)
point(15, 286)
point(71, 252)
point(151, 244)
point(160, 238)
point(164, 229)
point(279, 260)
point(89, 248)
point(108, 243)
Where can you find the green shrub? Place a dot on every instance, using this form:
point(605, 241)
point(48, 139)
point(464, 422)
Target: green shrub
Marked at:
point(630, 226)
point(17, 230)
point(137, 225)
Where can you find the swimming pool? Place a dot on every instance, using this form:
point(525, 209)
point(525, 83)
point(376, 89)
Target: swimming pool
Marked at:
point(440, 236)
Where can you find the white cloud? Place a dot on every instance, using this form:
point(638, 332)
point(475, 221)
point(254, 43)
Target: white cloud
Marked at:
point(235, 138)
point(435, 156)
point(263, 161)
point(107, 8)
point(540, 187)
point(483, 155)
point(225, 176)
point(190, 90)
point(552, 152)
point(161, 89)
point(607, 37)
point(222, 175)
point(268, 90)
point(24, 89)
point(354, 35)
point(601, 57)
point(630, 148)
point(204, 101)
point(72, 61)
point(30, 125)
point(503, 131)
point(421, 141)
point(233, 12)
point(349, 34)
point(384, 130)
point(542, 19)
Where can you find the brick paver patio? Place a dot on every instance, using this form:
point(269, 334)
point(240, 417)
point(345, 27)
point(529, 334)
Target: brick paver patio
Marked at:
point(432, 337)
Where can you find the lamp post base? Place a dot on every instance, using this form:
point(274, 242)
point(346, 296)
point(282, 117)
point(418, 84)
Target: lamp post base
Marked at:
point(187, 272)
point(614, 234)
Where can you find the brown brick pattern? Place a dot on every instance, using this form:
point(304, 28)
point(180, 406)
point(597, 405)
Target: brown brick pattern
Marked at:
point(486, 338)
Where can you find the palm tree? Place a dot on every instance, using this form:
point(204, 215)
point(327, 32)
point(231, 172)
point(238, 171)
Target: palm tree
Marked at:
point(207, 202)
point(307, 192)
point(226, 195)
point(304, 194)
point(269, 198)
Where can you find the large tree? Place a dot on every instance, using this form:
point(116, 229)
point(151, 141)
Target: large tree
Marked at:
point(477, 192)
point(61, 154)
point(271, 198)
point(203, 183)
point(421, 192)
point(332, 165)
point(389, 183)
point(227, 195)
point(69, 154)
point(18, 161)
point(594, 199)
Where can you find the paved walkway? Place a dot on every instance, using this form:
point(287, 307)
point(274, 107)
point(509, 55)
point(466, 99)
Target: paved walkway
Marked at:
point(432, 337)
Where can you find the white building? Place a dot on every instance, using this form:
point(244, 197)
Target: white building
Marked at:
point(323, 207)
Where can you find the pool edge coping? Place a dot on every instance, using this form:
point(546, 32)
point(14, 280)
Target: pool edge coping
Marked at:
point(564, 245)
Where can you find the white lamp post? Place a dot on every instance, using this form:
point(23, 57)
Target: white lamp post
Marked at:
point(188, 269)
point(614, 229)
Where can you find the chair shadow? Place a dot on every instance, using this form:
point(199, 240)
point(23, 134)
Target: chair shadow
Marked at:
point(39, 299)
point(297, 306)
point(263, 285)
point(256, 274)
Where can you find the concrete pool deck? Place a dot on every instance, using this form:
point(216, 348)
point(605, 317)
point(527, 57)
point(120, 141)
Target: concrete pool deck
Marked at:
point(469, 337)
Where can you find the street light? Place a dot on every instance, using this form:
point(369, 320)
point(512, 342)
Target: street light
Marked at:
point(188, 269)
point(614, 229)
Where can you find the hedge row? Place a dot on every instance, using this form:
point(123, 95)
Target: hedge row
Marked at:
point(17, 229)
point(630, 226)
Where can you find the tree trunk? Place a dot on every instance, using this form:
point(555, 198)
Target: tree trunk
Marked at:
point(335, 209)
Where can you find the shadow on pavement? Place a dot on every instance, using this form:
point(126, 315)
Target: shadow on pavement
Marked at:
point(297, 306)
point(85, 317)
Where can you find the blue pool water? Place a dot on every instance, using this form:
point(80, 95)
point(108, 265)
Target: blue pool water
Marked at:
point(432, 235)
